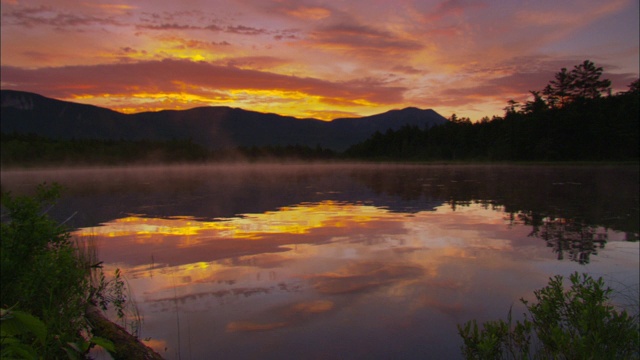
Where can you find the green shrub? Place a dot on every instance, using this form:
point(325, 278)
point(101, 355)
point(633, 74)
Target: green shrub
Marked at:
point(578, 323)
point(46, 283)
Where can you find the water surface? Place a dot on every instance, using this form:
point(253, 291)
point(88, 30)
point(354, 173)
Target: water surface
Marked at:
point(345, 260)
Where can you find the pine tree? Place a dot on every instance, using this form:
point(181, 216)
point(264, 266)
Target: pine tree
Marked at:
point(559, 91)
point(586, 81)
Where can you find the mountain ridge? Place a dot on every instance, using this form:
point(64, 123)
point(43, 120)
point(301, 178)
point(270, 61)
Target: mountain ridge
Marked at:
point(213, 127)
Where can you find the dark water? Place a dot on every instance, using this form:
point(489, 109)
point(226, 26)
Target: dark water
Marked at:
point(344, 261)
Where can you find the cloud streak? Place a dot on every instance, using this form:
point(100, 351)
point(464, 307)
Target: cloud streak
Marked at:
point(46, 16)
point(171, 75)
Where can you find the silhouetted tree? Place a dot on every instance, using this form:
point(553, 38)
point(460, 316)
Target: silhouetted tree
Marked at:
point(586, 81)
point(634, 87)
point(512, 107)
point(559, 91)
point(536, 106)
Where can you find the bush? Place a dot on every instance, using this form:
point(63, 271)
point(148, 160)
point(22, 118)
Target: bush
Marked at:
point(46, 283)
point(578, 323)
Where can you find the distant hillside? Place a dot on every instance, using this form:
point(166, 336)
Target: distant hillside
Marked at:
point(212, 127)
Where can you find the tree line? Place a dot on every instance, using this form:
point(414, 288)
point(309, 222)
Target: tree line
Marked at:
point(574, 118)
point(29, 149)
point(35, 150)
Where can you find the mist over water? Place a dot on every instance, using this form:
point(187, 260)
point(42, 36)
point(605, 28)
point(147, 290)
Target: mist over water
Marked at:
point(343, 260)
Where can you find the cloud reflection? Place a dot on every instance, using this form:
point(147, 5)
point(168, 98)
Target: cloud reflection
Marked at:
point(294, 315)
point(185, 239)
point(362, 277)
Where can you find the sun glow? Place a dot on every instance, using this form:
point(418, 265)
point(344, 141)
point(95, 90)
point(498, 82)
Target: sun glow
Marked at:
point(292, 103)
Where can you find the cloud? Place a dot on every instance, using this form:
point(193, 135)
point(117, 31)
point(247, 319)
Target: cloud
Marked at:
point(172, 76)
point(47, 16)
point(231, 29)
point(361, 39)
point(513, 78)
point(309, 13)
point(452, 8)
point(245, 30)
point(568, 17)
point(171, 26)
point(118, 9)
point(191, 20)
point(406, 69)
point(293, 9)
point(254, 62)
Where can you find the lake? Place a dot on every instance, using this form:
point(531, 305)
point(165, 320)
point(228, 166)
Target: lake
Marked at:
point(335, 261)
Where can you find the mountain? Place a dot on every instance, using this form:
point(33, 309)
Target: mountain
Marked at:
point(213, 127)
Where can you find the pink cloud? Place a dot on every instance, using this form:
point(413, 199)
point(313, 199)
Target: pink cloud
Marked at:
point(166, 75)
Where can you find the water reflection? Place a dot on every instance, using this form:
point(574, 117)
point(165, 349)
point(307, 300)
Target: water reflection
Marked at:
point(327, 275)
point(572, 237)
point(186, 239)
point(355, 261)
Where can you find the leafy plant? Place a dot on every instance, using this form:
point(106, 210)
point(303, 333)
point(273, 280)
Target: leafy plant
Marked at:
point(578, 323)
point(47, 283)
point(13, 326)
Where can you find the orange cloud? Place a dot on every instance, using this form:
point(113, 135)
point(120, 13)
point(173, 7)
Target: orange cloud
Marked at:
point(204, 82)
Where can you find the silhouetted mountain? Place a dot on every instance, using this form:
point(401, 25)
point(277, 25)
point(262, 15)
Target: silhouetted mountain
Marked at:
point(213, 127)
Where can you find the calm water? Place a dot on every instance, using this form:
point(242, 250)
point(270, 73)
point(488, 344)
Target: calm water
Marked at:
point(344, 261)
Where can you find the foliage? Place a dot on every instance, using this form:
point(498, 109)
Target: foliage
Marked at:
point(578, 323)
point(15, 324)
point(46, 282)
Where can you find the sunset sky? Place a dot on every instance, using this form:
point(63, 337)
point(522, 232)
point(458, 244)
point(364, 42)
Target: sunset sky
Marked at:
point(308, 58)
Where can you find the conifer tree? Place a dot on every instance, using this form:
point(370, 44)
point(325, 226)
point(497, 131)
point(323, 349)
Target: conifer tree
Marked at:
point(559, 91)
point(586, 81)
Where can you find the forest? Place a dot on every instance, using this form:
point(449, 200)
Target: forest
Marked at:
point(574, 118)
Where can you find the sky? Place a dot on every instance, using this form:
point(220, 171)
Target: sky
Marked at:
point(309, 58)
